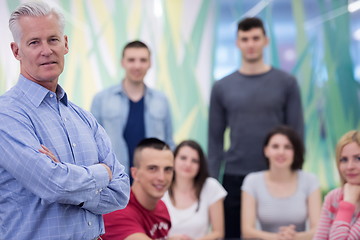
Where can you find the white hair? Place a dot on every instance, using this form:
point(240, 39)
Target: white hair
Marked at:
point(33, 9)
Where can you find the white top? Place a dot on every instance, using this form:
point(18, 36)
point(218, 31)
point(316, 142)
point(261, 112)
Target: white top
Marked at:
point(273, 212)
point(194, 223)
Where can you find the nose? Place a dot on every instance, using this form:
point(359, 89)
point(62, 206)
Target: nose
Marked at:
point(188, 163)
point(350, 164)
point(251, 42)
point(46, 49)
point(137, 64)
point(281, 150)
point(161, 176)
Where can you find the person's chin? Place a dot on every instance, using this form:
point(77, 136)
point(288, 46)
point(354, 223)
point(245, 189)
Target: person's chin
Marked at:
point(50, 76)
point(158, 194)
point(353, 182)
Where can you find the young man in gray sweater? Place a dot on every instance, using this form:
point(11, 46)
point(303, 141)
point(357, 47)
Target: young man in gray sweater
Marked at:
point(250, 102)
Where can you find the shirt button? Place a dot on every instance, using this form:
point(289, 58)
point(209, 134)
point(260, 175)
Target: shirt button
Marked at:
point(51, 95)
point(65, 119)
point(89, 223)
point(74, 144)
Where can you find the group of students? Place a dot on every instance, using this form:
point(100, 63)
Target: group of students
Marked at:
point(191, 200)
point(280, 203)
point(286, 200)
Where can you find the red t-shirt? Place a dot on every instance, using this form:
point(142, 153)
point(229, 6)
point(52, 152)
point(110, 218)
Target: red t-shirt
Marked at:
point(136, 219)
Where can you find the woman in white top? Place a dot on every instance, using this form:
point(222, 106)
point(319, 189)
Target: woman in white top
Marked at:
point(282, 199)
point(194, 200)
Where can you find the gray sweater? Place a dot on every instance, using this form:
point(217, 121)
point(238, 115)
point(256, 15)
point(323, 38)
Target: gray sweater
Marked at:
point(250, 105)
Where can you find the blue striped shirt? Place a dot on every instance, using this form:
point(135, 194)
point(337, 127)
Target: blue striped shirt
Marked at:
point(39, 198)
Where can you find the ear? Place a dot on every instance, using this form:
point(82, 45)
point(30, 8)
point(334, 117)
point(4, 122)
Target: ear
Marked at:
point(265, 151)
point(15, 50)
point(267, 41)
point(66, 44)
point(133, 171)
point(237, 42)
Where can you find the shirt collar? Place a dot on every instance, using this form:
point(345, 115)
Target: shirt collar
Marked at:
point(37, 93)
point(120, 90)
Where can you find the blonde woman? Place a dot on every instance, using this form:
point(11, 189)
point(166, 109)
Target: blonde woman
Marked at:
point(340, 216)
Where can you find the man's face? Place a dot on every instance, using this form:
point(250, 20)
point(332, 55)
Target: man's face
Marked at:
point(251, 44)
point(41, 49)
point(136, 62)
point(155, 172)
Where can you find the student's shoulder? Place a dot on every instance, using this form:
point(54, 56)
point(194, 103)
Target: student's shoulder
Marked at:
point(211, 183)
point(282, 75)
point(252, 181)
point(335, 194)
point(156, 93)
point(226, 82)
point(230, 77)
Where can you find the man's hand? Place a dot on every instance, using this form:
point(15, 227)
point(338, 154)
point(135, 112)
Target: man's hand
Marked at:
point(48, 153)
point(108, 170)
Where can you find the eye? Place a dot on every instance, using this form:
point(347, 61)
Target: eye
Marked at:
point(34, 42)
point(357, 158)
point(169, 169)
point(152, 168)
point(343, 159)
point(194, 160)
point(275, 145)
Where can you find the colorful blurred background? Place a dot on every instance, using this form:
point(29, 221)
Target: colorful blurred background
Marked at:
point(193, 45)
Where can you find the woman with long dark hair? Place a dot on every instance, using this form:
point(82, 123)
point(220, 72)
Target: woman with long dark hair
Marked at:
point(194, 200)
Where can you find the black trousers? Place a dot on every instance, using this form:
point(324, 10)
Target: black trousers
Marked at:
point(232, 205)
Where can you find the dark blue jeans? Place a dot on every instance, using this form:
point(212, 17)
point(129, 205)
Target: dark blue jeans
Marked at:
point(232, 205)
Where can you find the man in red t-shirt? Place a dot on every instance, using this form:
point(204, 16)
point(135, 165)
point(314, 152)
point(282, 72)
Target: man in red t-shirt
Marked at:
point(146, 216)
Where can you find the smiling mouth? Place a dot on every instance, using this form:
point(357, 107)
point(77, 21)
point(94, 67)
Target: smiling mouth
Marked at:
point(159, 187)
point(351, 175)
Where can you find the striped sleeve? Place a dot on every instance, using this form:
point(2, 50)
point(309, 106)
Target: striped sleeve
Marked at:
point(337, 220)
point(342, 227)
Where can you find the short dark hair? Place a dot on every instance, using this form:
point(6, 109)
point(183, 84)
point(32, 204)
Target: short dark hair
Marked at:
point(135, 44)
point(153, 143)
point(203, 173)
point(296, 142)
point(249, 23)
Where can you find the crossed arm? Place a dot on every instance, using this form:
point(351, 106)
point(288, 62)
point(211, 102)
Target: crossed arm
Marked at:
point(48, 153)
point(95, 180)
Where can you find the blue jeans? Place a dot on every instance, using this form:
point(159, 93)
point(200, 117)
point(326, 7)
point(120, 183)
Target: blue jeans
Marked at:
point(232, 205)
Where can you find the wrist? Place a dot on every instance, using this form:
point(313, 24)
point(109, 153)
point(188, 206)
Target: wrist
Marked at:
point(345, 211)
